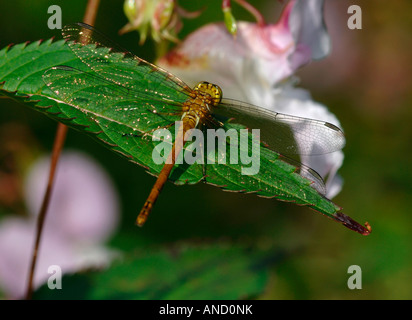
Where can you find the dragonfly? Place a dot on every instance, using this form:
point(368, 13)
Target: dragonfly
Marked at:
point(116, 82)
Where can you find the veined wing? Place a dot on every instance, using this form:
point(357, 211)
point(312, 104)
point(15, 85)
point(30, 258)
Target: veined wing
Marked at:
point(142, 79)
point(285, 134)
point(260, 162)
point(98, 98)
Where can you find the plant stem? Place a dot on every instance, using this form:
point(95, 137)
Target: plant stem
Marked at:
point(91, 12)
point(89, 18)
point(57, 147)
point(255, 12)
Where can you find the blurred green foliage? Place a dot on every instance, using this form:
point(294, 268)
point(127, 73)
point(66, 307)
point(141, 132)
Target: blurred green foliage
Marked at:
point(181, 272)
point(366, 82)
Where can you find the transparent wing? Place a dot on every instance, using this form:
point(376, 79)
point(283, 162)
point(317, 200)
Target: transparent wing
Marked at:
point(260, 162)
point(285, 134)
point(308, 173)
point(142, 79)
point(98, 98)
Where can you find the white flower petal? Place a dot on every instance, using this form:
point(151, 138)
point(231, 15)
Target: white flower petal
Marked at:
point(16, 245)
point(309, 31)
point(255, 66)
point(83, 212)
point(298, 102)
point(84, 205)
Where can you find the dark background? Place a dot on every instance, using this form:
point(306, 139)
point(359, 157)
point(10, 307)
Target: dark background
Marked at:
point(365, 82)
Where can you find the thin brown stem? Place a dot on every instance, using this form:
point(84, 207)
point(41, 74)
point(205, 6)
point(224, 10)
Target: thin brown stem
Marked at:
point(91, 12)
point(57, 147)
point(89, 18)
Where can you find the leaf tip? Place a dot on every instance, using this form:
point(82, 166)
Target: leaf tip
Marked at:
point(349, 223)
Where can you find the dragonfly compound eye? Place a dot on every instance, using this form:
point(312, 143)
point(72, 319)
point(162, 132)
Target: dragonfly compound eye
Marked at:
point(211, 89)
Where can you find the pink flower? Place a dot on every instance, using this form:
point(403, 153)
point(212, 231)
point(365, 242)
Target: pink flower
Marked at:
point(83, 213)
point(258, 65)
point(159, 19)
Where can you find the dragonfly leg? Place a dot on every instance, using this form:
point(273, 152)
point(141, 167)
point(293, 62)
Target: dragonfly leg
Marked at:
point(157, 128)
point(204, 151)
point(132, 134)
point(212, 122)
point(178, 111)
point(170, 113)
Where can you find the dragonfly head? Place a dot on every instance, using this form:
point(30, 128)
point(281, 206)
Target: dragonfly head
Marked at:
point(212, 90)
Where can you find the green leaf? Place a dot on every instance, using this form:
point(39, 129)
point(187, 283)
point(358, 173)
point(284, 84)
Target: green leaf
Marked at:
point(184, 272)
point(21, 78)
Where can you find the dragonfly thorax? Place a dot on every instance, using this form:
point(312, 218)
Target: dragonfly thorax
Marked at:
point(210, 89)
point(204, 97)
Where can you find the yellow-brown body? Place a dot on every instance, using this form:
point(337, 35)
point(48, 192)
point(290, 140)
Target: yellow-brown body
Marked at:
point(196, 111)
